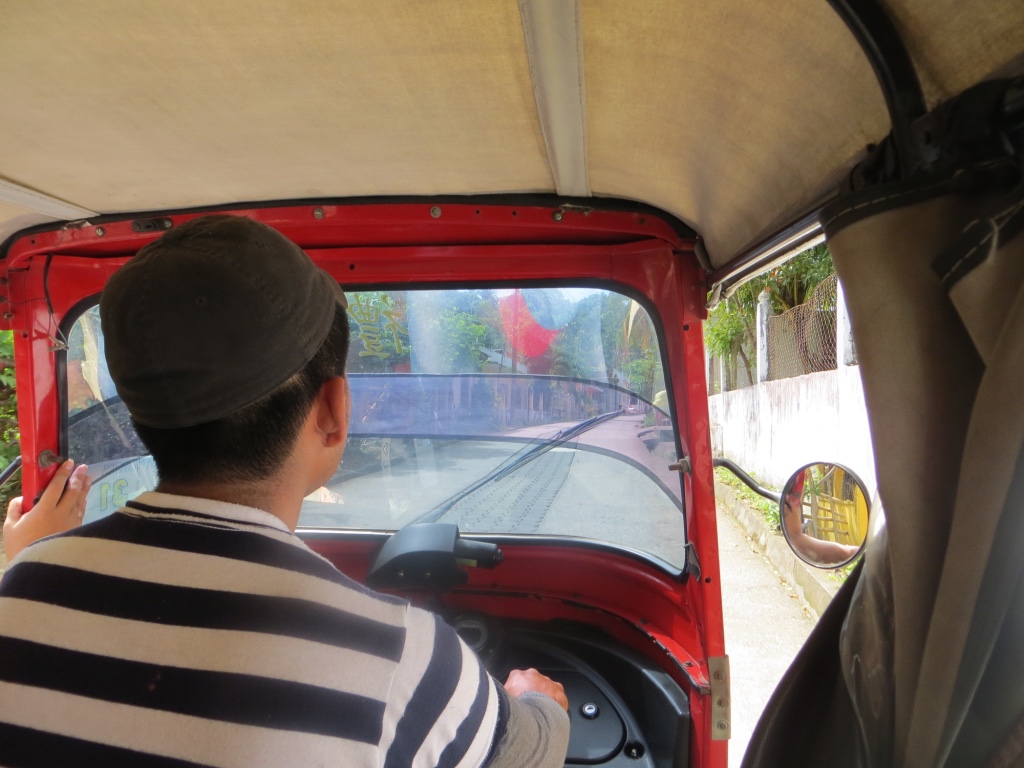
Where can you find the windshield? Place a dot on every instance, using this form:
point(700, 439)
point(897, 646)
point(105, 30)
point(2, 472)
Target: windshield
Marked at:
point(506, 411)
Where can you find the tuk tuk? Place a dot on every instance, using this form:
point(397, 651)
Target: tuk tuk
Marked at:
point(531, 206)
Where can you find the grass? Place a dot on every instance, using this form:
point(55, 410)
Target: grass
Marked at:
point(768, 509)
point(843, 573)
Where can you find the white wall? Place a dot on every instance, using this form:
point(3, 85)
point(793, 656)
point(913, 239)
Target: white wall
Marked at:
point(773, 428)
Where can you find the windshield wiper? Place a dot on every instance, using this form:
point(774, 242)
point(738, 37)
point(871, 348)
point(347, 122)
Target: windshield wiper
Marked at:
point(515, 463)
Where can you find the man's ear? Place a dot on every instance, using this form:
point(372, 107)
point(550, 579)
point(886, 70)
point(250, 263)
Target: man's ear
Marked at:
point(331, 408)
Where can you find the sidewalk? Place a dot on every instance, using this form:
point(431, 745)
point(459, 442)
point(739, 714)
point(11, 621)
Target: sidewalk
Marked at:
point(764, 589)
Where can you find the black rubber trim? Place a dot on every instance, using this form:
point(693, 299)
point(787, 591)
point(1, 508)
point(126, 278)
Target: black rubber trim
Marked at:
point(972, 247)
point(894, 69)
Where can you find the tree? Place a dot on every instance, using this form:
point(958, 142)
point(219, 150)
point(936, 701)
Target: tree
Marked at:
point(9, 449)
point(453, 327)
point(731, 326)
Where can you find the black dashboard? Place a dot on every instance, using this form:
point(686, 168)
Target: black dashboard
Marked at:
point(623, 710)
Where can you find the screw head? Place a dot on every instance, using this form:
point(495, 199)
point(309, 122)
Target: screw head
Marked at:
point(590, 710)
point(318, 213)
point(722, 725)
point(435, 212)
point(719, 676)
point(100, 231)
point(557, 215)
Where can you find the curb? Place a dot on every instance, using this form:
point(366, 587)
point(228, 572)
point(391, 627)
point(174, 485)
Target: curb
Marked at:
point(811, 586)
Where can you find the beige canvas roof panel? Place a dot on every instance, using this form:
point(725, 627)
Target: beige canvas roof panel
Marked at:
point(733, 115)
point(125, 106)
point(709, 118)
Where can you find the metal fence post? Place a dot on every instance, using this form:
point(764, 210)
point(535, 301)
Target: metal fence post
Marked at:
point(764, 311)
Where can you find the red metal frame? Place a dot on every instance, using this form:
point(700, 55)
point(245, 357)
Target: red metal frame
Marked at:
point(393, 243)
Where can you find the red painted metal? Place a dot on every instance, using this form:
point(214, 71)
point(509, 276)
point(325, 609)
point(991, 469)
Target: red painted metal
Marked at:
point(405, 243)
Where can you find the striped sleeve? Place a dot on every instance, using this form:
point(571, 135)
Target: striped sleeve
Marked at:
point(536, 733)
point(443, 707)
point(118, 649)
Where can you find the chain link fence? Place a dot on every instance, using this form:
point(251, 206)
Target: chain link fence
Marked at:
point(803, 340)
point(800, 341)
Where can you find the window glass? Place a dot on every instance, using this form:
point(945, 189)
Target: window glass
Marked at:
point(513, 410)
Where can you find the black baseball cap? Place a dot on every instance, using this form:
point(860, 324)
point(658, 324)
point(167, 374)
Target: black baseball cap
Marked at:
point(209, 318)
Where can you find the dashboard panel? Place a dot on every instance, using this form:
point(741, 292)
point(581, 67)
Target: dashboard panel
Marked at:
point(623, 710)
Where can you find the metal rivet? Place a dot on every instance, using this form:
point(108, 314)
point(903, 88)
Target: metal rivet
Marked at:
point(719, 675)
point(436, 211)
point(8, 315)
point(168, 223)
point(318, 213)
point(557, 215)
point(687, 663)
point(722, 725)
point(723, 702)
point(100, 231)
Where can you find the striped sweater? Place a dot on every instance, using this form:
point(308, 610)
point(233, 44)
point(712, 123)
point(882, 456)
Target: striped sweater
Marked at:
point(185, 632)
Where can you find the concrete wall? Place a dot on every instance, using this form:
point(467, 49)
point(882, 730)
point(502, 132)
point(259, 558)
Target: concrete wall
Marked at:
point(775, 427)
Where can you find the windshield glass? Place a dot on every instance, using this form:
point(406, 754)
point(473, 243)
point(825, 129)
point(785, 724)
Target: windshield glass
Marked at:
point(512, 410)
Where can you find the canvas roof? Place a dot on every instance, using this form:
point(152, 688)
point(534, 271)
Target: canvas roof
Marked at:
point(734, 115)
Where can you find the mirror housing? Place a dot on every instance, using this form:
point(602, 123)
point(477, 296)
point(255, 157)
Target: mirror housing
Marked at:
point(824, 513)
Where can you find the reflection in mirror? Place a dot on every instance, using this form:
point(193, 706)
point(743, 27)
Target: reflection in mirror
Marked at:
point(825, 514)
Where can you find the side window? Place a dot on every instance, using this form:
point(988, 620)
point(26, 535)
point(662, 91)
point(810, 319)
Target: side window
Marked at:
point(100, 432)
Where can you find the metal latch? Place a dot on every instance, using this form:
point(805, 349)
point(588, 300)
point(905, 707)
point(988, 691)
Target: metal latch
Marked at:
point(721, 705)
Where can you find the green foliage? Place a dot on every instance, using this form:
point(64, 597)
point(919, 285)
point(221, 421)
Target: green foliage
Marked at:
point(579, 351)
point(643, 372)
point(455, 327)
point(792, 282)
point(465, 335)
point(730, 327)
point(842, 574)
point(769, 510)
point(726, 323)
point(575, 351)
point(9, 435)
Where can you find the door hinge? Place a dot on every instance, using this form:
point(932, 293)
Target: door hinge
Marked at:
point(721, 705)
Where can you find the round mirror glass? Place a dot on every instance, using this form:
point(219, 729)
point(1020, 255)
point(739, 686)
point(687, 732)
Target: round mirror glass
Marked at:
point(825, 514)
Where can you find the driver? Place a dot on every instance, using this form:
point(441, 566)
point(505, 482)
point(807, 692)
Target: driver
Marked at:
point(193, 627)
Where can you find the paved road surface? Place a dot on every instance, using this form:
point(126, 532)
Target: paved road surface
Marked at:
point(765, 625)
point(619, 494)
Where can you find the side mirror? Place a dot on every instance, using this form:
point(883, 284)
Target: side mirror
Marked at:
point(824, 514)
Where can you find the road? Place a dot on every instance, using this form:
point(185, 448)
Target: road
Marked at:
point(766, 623)
point(560, 491)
